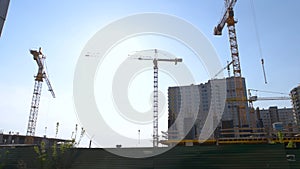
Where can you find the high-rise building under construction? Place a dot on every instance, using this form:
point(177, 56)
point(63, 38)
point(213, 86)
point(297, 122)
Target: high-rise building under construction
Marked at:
point(189, 108)
point(295, 95)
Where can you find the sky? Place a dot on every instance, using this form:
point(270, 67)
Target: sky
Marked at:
point(62, 29)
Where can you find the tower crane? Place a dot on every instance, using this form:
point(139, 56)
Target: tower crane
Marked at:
point(251, 99)
point(228, 18)
point(155, 60)
point(255, 98)
point(41, 75)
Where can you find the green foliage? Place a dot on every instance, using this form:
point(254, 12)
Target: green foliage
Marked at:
point(53, 157)
point(291, 144)
point(42, 154)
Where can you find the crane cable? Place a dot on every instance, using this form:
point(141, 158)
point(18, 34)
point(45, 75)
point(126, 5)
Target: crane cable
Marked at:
point(258, 41)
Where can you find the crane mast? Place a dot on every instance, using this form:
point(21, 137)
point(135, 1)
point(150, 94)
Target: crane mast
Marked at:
point(155, 60)
point(34, 108)
point(228, 18)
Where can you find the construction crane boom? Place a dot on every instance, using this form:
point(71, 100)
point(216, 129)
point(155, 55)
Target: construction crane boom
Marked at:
point(265, 91)
point(228, 5)
point(176, 60)
point(155, 90)
point(225, 67)
point(39, 58)
point(50, 89)
point(255, 98)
